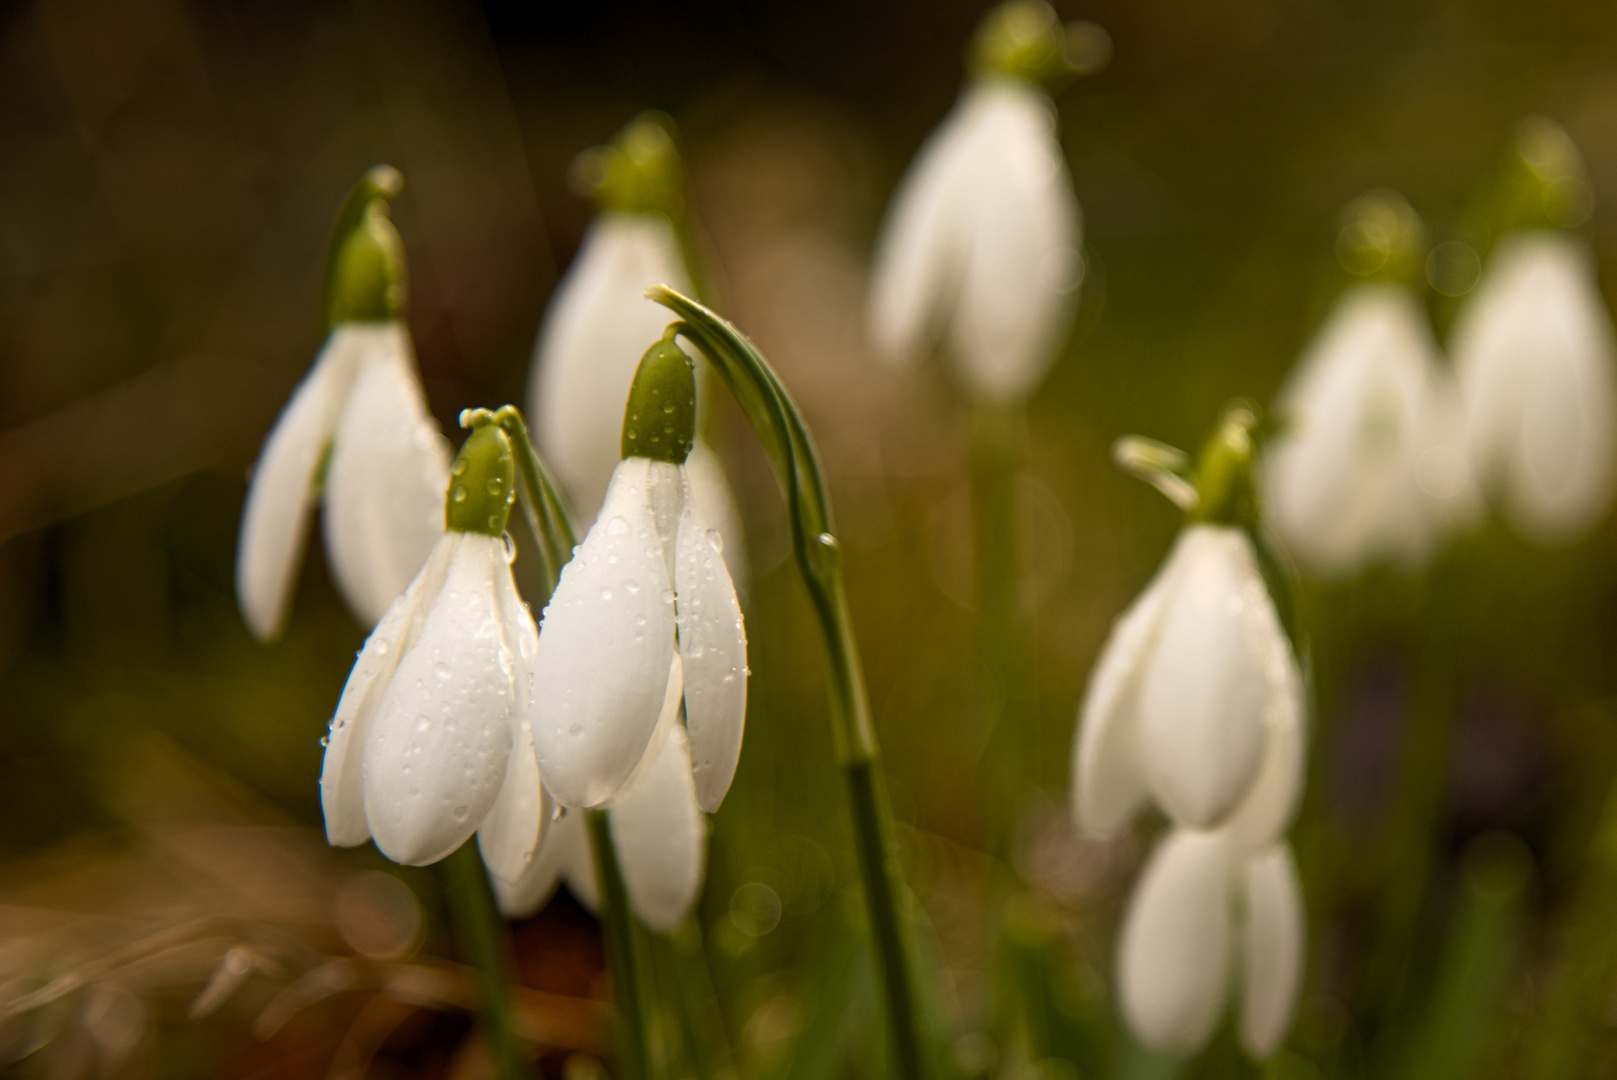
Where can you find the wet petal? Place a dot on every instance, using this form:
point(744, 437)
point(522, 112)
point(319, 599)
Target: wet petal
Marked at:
point(384, 504)
point(713, 648)
point(602, 669)
point(564, 856)
point(276, 516)
point(920, 255)
point(1108, 784)
point(1174, 954)
point(596, 328)
point(342, 780)
point(515, 826)
point(1273, 960)
point(1019, 291)
point(436, 752)
point(1207, 691)
point(718, 506)
point(661, 838)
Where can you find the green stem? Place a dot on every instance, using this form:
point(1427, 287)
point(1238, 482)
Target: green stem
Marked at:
point(771, 412)
point(481, 933)
point(617, 925)
point(995, 437)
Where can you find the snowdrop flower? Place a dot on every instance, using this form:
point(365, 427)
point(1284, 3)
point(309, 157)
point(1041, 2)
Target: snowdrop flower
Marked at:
point(432, 738)
point(660, 836)
point(1197, 689)
point(1206, 908)
point(1534, 353)
point(643, 619)
point(1371, 465)
point(980, 251)
point(599, 320)
point(357, 427)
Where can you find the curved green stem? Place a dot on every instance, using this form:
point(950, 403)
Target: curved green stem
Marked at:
point(771, 412)
point(479, 928)
point(617, 925)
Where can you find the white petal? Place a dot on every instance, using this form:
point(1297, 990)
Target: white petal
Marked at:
point(342, 780)
point(282, 488)
point(1174, 955)
point(1266, 811)
point(515, 826)
point(713, 648)
point(435, 755)
point(921, 252)
point(661, 838)
point(1534, 353)
point(1108, 784)
point(1019, 291)
point(1273, 964)
point(1341, 481)
point(602, 669)
point(596, 329)
point(384, 502)
point(564, 856)
point(1207, 691)
point(718, 506)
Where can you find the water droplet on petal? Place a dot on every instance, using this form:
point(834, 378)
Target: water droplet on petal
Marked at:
point(422, 723)
point(618, 526)
point(441, 670)
point(606, 592)
point(632, 586)
point(715, 541)
point(458, 493)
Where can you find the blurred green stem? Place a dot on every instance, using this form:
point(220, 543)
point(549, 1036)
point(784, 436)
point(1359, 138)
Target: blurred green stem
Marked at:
point(773, 415)
point(996, 431)
point(1416, 815)
point(617, 926)
point(482, 938)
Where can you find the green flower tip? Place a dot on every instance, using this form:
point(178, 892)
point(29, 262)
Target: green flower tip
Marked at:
point(482, 483)
point(638, 173)
point(1226, 494)
point(364, 280)
point(659, 421)
point(1382, 238)
point(1548, 179)
point(1026, 40)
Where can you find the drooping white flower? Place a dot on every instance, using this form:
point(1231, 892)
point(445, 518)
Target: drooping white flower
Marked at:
point(980, 252)
point(432, 738)
point(358, 426)
point(644, 619)
point(595, 331)
point(1206, 905)
point(1534, 353)
point(1371, 464)
point(660, 836)
point(1194, 695)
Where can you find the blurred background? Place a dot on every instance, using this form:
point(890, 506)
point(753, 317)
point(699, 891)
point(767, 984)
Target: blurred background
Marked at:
point(169, 171)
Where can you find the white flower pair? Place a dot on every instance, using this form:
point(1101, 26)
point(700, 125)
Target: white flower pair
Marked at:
point(1196, 704)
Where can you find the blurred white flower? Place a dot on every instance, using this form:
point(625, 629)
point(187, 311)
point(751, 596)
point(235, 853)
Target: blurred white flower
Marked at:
point(1195, 696)
point(1370, 464)
point(432, 738)
point(1533, 350)
point(611, 672)
point(358, 427)
point(981, 248)
point(1202, 897)
point(595, 331)
point(660, 836)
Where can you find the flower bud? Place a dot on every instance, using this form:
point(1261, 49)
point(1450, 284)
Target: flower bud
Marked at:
point(639, 173)
point(1382, 239)
point(659, 421)
point(1226, 494)
point(1025, 40)
point(481, 484)
point(365, 279)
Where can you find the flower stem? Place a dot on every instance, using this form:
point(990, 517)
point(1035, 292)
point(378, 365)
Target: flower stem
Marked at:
point(617, 926)
point(773, 415)
point(480, 930)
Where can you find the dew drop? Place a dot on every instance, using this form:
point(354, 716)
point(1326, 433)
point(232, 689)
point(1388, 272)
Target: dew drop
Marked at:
point(422, 723)
point(458, 493)
point(618, 526)
point(510, 548)
point(715, 541)
point(460, 467)
point(461, 812)
point(575, 730)
point(325, 740)
point(606, 592)
point(494, 486)
point(631, 586)
point(441, 670)
point(381, 648)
